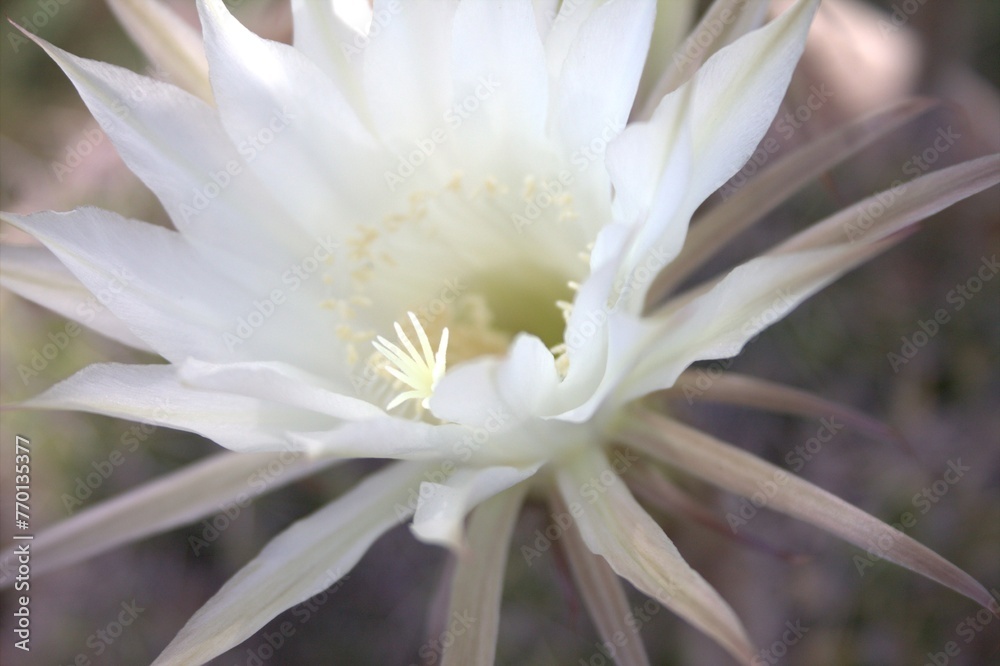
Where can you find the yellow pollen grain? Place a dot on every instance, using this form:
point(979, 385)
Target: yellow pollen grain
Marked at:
point(530, 185)
point(455, 183)
point(361, 244)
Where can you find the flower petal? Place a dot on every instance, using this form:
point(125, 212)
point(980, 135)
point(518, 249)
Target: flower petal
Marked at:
point(278, 383)
point(333, 45)
point(746, 391)
point(747, 206)
point(614, 526)
point(673, 21)
point(751, 75)
point(179, 498)
point(745, 474)
point(410, 59)
point(718, 323)
point(168, 41)
point(902, 206)
point(34, 273)
point(477, 585)
point(512, 58)
point(154, 394)
point(152, 290)
point(603, 594)
point(443, 506)
point(599, 76)
point(308, 146)
point(400, 438)
point(302, 561)
point(719, 318)
point(175, 144)
point(723, 23)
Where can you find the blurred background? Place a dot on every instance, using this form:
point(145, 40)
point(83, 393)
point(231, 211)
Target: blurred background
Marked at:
point(945, 401)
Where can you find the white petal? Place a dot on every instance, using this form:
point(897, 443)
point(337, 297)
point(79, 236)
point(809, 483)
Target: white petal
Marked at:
point(745, 474)
point(172, 45)
point(673, 21)
point(410, 59)
point(716, 320)
point(499, 43)
point(300, 562)
point(175, 144)
point(154, 394)
point(746, 391)
point(301, 136)
point(147, 274)
point(279, 383)
point(34, 273)
point(723, 23)
point(561, 31)
point(477, 586)
point(392, 437)
point(525, 382)
point(695, 129)
point(171, 296)
point(881, 215)
point(600, 74)
point(527, 379)
point(717, 324)
point(443, 506)
point(200, 489)
point(603, 594)
point(332, 44)
point(750, 203)
point(468, 394)
point(614, 526)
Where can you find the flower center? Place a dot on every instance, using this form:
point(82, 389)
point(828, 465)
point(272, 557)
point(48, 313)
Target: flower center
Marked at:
point(468, 262)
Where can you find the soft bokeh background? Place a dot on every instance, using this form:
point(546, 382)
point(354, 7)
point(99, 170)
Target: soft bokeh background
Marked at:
point(945, 401)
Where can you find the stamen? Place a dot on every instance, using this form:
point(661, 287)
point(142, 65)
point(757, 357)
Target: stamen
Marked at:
point(422, 370)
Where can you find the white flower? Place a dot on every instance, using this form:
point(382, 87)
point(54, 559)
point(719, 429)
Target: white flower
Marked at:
point(466, 177)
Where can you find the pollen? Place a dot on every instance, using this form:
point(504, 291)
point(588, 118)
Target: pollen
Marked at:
point(420, 370)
